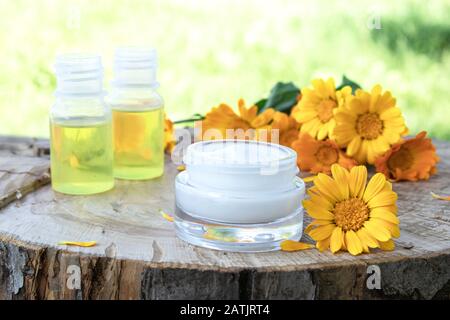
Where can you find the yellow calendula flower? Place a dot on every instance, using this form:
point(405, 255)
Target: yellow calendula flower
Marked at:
point(350, 215)
point(222, 122)
point(316, 109)
point(369, 124)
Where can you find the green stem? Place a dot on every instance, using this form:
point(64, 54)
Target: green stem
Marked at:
point(197, 118)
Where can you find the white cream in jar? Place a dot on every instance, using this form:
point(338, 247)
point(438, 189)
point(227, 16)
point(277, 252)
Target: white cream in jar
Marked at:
point(242, 186)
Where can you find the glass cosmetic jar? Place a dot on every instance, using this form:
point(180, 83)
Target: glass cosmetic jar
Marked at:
point(239, 195)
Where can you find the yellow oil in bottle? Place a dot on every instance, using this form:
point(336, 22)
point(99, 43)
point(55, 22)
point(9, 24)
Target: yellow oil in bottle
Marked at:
point(81, 157)
point(138, 143)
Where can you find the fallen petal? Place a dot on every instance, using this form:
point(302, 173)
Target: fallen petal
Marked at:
point(78, 243)
point(439, 197)
point(291, 245)
point(166, 216)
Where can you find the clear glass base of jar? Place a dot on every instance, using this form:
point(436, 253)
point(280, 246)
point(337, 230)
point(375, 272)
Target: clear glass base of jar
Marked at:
point(258, 237)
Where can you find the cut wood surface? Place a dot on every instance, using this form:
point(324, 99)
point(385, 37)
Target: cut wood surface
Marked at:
point(138, 256)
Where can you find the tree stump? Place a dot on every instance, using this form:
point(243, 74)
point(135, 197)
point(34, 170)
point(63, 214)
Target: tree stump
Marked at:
point(137, 255)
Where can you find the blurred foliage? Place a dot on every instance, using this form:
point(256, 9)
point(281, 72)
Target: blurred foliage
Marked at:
point(219, 51)
point(415, 33)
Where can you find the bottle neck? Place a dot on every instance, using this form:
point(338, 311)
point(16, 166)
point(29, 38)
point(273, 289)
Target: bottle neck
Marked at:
point(80, 107)
point(86, 99)
point(135, 78)
point(133, 90)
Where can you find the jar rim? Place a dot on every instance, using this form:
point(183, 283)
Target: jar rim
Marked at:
point(209, 153)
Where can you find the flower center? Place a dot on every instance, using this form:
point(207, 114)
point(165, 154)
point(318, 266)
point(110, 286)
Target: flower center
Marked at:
point(402, 159)
point(325, 110)
point(351, 214)
point(369, 126)
point(326, 155)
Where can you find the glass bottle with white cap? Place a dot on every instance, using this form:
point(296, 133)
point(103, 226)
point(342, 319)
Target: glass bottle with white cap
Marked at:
point(80, 128)
point(138, 115)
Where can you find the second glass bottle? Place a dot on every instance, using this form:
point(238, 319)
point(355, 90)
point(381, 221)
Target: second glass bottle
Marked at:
point(138, 115)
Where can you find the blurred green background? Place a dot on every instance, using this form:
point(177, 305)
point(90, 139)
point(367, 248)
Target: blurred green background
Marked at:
point(219, 51)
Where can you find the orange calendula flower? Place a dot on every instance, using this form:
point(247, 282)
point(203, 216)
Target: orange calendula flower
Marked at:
point(349, 214)
point(412, 159)
point(316, 109)
point(287, 126)
point(319, 155)
point(169, 141)
point(369, 124)
point(223, 123)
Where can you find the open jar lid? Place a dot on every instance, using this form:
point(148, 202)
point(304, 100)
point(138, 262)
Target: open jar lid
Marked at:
point(247, 166)
point(240, 155)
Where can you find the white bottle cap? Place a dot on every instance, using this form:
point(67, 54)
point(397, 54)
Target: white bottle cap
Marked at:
point(79, 74)
point(135, 66)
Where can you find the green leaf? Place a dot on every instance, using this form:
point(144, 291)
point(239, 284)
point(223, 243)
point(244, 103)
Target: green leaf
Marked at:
point(260, 104)
point(347, 82)
point(282, 97)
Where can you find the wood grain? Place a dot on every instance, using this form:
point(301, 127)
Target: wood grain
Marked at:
point(139, 257)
